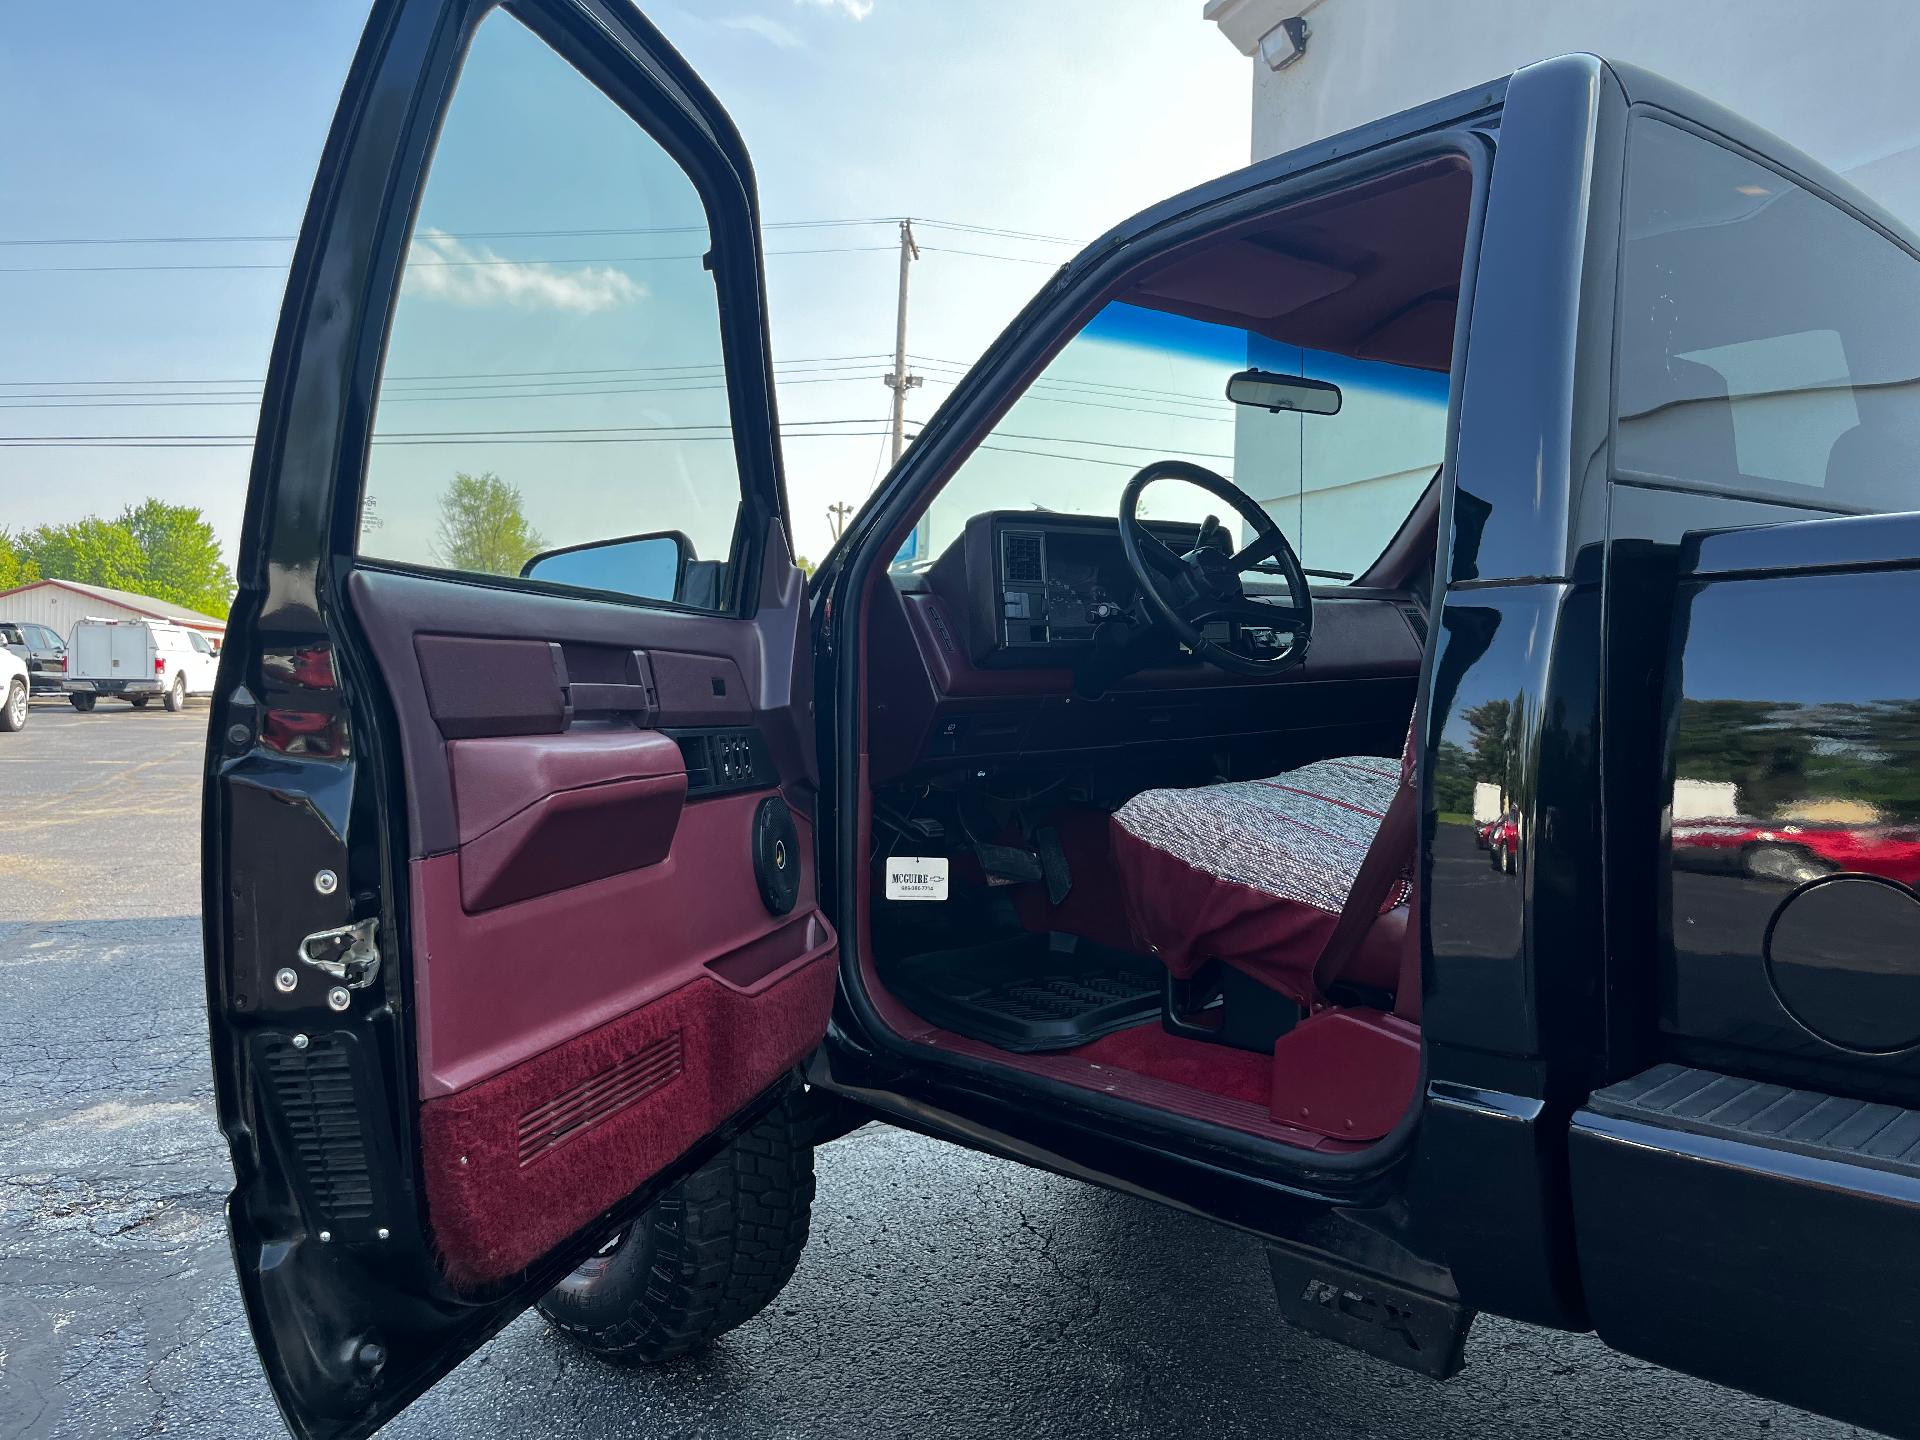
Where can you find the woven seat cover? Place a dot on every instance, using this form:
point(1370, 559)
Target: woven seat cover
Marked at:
point(1253, 872)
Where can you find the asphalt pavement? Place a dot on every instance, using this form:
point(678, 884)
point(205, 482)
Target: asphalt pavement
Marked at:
point(944, 1294)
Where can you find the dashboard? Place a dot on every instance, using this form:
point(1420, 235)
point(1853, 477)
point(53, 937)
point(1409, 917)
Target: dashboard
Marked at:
point(955, 678)
point(1056, 584)
point(1039, 586)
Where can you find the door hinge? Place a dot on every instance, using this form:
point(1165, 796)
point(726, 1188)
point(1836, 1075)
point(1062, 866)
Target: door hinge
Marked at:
point(347, 953)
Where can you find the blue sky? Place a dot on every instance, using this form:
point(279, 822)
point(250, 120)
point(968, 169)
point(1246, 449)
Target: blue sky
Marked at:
point(131, 119)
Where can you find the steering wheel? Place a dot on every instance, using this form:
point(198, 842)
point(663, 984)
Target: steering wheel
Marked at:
point(1186, 591)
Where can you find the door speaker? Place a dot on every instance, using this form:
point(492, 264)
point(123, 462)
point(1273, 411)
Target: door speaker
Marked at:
point(776, 855)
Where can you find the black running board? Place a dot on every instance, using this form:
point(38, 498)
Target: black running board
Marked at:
point(1756, 1234)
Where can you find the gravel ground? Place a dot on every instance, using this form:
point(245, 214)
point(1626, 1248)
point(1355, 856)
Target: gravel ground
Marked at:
point(944, 1294)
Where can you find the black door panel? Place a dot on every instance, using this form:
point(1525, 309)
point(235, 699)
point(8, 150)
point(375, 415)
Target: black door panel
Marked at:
point(488, 961)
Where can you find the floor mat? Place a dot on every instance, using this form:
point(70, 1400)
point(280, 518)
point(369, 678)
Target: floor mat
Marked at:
point(1030, 992)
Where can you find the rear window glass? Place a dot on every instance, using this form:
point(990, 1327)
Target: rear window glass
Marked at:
point(1769, 340)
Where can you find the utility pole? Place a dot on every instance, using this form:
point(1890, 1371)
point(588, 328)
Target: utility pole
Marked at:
point(900, 381)
point(837, 514)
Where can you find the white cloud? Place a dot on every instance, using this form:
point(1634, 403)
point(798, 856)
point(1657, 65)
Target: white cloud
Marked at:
point(852, 9)
point(770, 30)
point(441, 267)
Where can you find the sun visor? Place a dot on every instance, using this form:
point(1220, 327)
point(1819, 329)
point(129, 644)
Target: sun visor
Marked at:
point(1242, 282)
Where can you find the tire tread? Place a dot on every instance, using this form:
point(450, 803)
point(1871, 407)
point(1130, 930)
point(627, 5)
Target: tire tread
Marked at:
point(708, 1256)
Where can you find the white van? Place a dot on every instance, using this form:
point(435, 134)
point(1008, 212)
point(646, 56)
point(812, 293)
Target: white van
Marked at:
point(137, 660)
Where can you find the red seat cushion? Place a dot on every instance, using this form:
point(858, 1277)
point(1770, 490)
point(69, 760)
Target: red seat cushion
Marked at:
point(1253, 872)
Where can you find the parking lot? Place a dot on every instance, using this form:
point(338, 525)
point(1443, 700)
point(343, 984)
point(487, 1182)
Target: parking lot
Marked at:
point(944, 1293)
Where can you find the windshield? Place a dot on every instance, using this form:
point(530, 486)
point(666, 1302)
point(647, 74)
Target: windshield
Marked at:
point(1137, 385)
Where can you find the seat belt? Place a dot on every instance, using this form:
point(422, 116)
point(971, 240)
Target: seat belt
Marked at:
point(1384, 863)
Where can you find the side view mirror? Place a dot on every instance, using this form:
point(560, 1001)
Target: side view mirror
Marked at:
point(1267, 390)
point(649, 567)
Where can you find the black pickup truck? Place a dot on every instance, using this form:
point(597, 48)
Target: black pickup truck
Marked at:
point(565, 891)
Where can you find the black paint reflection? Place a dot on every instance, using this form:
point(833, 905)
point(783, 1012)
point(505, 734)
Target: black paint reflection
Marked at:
point(1492, 655)
point(1795, 757)
point(1790, 792)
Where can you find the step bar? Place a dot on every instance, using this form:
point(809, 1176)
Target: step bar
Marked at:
point(1759, 1235)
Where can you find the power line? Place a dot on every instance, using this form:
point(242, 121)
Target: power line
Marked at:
point(281, 265)
point(18, 442)
point(634, 384)
point(989, 255)
point(604, 434)
point(1113, 445)
point(192, 404)
point(1079, 459)
point(595, 232)
point(799, 364)
point(479, 374)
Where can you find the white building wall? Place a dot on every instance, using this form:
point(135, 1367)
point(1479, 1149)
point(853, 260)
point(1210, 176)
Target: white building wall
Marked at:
point(62, 609)
point(1835, 80)
point(59, 610)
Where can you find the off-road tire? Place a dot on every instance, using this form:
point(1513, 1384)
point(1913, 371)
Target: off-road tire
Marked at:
point(82, 701)
point(13, 715)
point(708, 1255)
point(176, 700)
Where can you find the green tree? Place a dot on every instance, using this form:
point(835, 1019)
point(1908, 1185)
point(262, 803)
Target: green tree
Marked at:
point(15, 567)
point(181, 556)
point(483, 528)
point(1453, 779)
point(92, 551)
point(1491, 724)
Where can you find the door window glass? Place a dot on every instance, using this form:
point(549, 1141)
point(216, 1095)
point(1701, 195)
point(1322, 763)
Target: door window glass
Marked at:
point(1137, 385)
point(554, 376)
point(1769, 340)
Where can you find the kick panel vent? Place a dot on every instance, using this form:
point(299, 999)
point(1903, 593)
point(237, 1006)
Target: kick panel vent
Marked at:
point(314, 1092)
point(1023, 558)
point(599, 1097)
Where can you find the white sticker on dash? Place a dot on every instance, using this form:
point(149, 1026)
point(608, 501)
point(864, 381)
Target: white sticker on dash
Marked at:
point(916, 877)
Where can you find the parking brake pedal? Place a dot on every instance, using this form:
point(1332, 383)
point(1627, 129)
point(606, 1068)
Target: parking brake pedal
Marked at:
point(1053, 864)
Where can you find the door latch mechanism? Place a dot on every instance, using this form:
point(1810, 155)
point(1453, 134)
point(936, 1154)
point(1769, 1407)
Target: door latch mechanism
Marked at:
point(347, 953)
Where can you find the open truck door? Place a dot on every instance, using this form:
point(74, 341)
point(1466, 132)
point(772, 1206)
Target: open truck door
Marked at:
point(510, 909)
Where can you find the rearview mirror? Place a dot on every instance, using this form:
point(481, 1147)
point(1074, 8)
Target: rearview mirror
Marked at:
point(646, 566)
point(1267, 390)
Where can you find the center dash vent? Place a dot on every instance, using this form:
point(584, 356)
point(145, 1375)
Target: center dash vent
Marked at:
point(1024, 559)
point(599, 1097)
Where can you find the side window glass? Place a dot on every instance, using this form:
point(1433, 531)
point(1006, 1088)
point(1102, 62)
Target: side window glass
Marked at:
point(553, 401)
point(1769, 340)
point(199, 642)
